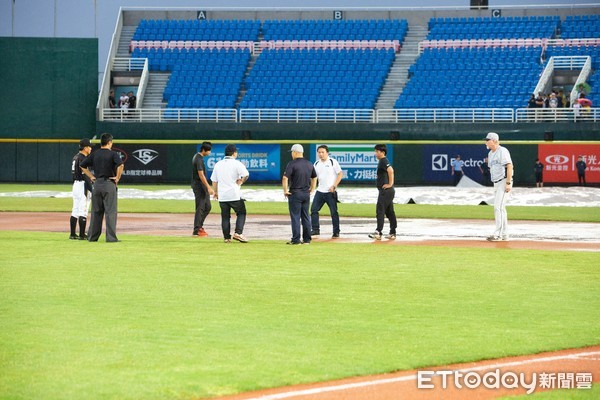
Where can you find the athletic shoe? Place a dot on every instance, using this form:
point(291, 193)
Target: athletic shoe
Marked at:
point(195, 233)
point(375, 235)
point(202, 232)
point(240, 238)
point(391, 236)
point(315, 232)
point(293, 243)
point(227, 241)
point(505, 238)
point(335, 236)
point(493, 238)
point(304, 242)
point(83, 237)
point(74, 237)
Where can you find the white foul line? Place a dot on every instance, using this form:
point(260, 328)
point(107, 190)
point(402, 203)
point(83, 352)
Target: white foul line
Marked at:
point(383, 381)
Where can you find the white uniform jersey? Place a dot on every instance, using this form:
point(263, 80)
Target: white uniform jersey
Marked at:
point(327, 172)
point(497, 161)
point(226, 172)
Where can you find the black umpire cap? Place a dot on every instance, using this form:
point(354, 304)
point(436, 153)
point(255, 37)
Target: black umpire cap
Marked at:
point(83, 143)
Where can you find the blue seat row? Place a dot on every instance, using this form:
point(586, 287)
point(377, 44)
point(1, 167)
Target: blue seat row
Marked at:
point(335, 30)
point(216, 30)
point(581, 27)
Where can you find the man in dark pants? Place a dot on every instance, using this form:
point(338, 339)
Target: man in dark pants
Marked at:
point(385, 200)
point(299, 180)
point(329, 176)
point(227, 178)
point(581, 167)
point(108, 167)
point(202, 189)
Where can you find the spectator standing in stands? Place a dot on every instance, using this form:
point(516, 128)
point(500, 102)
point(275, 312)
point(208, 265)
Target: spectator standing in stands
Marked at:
point(132, 100)
point(227, 178)
point(457, 171)
point(485, 172)
point(539, 103)
point(202, 189)
point(108, 167)
point(112, 103)
point(385, 199)
point(501, 169)
point(565, 102)
point(329, 176)
point(553, 101)
point(298, 182)
point(538, 169)
point(124, 102)
point(581, 167)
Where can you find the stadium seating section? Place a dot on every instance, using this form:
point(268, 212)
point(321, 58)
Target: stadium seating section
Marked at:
point(465, 63)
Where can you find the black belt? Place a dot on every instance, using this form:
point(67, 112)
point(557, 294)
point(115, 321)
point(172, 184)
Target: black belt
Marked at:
point(499, 180)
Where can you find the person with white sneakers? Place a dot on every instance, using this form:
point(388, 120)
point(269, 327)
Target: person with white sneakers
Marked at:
point(501, 171)
point(227, 178)
point(329, 176)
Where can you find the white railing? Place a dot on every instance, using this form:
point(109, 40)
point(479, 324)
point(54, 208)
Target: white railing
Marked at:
point(169, 115)
point(405, 115)
point(446, 115)
point(557, 115)
point(306, 115)
point(130, 64)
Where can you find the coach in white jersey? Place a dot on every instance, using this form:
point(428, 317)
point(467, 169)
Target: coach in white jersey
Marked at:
point(329, 175)
point(501, 171)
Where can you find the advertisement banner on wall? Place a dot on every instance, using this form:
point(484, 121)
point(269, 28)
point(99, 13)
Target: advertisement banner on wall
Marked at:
point(560, 162)
point(261, 160)
point(357, 161)
point(144, 163)
point(437, 165)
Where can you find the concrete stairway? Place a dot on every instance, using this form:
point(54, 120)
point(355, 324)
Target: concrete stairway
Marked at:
point(124, 41)
point(398, 75)
point(153, 98)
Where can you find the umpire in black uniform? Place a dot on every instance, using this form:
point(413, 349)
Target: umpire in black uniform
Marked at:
point(108, 167)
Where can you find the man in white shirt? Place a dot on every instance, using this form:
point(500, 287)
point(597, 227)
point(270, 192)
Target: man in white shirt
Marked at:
point(501, 172)
point(227, 177)
point(329, 175)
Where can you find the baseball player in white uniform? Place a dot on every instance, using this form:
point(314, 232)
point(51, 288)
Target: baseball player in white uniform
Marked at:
point(82, 192)
point(501, 171)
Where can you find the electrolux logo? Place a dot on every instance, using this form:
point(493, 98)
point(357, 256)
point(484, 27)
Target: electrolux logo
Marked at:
point(439, 162)
point(145, 156)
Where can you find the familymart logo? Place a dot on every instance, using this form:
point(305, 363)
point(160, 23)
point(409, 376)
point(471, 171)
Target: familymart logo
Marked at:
point(497, 379)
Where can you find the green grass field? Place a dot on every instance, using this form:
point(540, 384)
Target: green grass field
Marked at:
point(174, 318)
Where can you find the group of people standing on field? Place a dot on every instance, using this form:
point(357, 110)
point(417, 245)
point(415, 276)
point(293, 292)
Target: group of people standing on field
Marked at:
point(300, 179)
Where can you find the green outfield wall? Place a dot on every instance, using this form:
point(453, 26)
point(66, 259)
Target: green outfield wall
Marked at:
point(49, 87)
point(415, 163)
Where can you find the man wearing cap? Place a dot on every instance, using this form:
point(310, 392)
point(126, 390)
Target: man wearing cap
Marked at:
point(501, 172)
point(299, 181)
point(82, 191)
point(108, 168)
point(227, 178)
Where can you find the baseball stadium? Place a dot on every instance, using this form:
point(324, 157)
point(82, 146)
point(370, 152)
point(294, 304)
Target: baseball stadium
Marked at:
point(425, 125)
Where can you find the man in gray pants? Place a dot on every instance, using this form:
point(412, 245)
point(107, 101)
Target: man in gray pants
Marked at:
point(108, 167)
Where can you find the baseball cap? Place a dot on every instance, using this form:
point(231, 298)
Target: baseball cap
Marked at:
point(297, 148)
point(85, 143)
point(230, 149)
point(492, 136)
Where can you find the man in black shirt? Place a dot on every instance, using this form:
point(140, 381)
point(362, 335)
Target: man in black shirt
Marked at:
point(202, 189)
point(108, 167)
point(299, 181)
point(385, 200)
point(82, 188)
